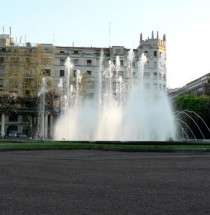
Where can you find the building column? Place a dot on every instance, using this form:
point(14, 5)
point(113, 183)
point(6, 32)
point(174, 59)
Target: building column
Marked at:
point(45, 126)
point(51, 126)
point(2, 125)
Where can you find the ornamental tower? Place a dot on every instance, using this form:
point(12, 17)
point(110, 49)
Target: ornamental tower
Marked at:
point(155, 68)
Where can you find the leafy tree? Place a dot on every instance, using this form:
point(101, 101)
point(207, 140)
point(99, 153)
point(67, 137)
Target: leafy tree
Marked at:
point(198, 108)
point(24, 69)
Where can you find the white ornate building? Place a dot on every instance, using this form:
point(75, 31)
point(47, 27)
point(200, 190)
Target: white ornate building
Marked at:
point(86, 59)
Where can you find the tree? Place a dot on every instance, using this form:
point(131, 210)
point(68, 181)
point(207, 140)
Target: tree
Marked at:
point(198, 108)
point(24, 69)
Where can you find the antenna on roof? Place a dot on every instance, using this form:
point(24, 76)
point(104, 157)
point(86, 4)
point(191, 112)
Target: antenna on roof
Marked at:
point(25, 38)
point(53, 38)
point(3, 30)
point(109, 33)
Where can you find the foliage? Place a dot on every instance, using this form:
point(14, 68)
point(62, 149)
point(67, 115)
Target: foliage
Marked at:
point(198, 105)
point(11, 103)
point(24, 69)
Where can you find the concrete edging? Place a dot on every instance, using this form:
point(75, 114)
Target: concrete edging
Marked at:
point(104, 148)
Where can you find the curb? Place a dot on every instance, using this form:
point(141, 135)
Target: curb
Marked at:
point(104, 148)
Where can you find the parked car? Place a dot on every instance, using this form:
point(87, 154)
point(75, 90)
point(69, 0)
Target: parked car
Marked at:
point(17, 134)
point(22, 135)
point(12, 134)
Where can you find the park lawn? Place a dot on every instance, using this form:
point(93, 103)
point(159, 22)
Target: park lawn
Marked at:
point(89, 145)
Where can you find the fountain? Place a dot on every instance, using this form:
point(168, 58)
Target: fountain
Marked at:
point(187, 123)
point(123, 107)
point(41, 115)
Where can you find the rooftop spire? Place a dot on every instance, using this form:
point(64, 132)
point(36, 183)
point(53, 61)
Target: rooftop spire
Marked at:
point(141, 37)
point(164, 37)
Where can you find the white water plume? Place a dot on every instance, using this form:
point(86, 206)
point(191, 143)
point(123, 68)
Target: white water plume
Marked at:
point(122, 109)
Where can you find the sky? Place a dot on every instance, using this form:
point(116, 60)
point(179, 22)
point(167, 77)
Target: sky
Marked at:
point(186, 24)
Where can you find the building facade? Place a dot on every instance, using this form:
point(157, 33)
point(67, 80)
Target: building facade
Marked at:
point(87, 60)
point(200, 86)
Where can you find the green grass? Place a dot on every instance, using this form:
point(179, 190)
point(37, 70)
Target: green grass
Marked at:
point(78, 145)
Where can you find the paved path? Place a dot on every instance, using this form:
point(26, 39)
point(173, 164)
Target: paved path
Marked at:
point(107, 183)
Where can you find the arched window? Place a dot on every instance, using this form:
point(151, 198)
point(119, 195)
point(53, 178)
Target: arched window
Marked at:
point(146, 53)
point(155, 64)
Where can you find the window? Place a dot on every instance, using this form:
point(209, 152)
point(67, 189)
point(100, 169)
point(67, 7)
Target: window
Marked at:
point(62, 62)
point(12, 128)
point(114, 85)
point(89, 53)
point(117, 52)
point(146, 53)
point(121, 73)
point(62, 52)
point(27, 92)
point(75, 73)
point(3, 49)
point(76, 52)
point(1, 82)
point(91, 85)
point(89, 73)
point(13, 118)
point(1, 71)
point(155, 74)
point(155, 53)
point(103, 85)
point(45, 61)
point(25, 130)
point(89, 62)
point(147, 86)
point(27, 60)
point(47, 72)
point(1, 59)
point(27, 82)
point(25, 118)
point(155, 64)
point(121, 62)
point(61, 73)
point(90, 96)
point(76, 62)
point(146, 74)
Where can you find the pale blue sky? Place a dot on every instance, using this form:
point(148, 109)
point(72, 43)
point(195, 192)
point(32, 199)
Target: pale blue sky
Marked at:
point(86, 23)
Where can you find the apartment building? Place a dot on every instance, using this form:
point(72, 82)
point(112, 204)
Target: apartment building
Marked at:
point(200, 86)
point(87, 60)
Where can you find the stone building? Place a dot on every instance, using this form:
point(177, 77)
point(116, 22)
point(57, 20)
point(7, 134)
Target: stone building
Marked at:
point(200, 86)
point(85, 59)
